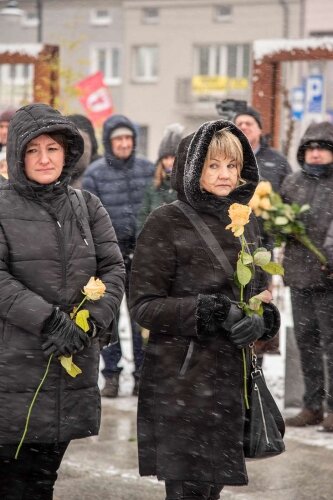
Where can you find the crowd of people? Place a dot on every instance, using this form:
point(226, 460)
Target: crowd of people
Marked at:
point(70, 211)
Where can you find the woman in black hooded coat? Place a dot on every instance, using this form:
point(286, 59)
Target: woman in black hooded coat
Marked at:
point(51, 243)
point(191, 414)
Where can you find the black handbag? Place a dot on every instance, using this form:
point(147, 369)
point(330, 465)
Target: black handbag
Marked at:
point(264, 425)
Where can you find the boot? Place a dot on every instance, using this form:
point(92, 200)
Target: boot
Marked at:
point(306, 417)
point(328, 423)
point(111, 387)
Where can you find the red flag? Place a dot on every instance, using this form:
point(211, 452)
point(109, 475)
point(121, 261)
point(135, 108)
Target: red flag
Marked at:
point(95, 98)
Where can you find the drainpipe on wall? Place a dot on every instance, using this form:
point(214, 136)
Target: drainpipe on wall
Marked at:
point(285, 8)
point(302, 18)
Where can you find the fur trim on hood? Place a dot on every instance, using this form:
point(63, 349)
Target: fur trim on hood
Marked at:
point(189, 163)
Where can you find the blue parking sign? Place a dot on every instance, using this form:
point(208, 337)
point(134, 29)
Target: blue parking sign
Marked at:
point(314, 94)
point(297, 102)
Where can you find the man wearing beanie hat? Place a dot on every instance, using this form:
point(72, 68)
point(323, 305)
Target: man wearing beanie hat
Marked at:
point(311, 283)
point(273, 166)
point(119, 179)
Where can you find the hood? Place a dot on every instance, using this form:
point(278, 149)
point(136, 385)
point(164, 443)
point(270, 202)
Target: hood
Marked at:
point(83, 123)
point(322, 133)
point(30, 122)
point(116, 121)
point(189, 162)
point(171, 138)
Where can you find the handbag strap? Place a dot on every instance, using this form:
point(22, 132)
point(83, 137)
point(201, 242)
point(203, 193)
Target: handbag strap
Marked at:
point(82, 202)
point(210, 240)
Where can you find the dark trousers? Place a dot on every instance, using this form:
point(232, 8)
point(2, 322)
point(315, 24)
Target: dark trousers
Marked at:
point(192, 490)
point(112, 354)
point(33, 474)
point(313, 325)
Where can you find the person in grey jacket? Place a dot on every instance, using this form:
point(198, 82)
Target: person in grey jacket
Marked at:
point(119, 179)
point(311, 295)
point(51, 243)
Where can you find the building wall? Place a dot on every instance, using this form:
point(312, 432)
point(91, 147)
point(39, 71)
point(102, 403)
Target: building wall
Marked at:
point(183, 25)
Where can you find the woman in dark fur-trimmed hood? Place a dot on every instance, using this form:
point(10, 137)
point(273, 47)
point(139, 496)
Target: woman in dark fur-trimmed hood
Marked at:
point(190, 415)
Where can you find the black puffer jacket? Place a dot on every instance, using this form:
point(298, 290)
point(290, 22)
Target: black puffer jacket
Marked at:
point(190, 414)
point(304, 188)
point(44, 262)
point(273, 166)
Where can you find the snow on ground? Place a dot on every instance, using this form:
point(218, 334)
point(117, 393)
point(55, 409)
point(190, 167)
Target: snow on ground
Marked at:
point(273, 368)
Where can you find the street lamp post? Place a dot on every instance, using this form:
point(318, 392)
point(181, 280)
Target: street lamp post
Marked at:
point(39, 10)
point(12, 9)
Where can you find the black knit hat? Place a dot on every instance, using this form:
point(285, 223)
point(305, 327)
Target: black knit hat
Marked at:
point(171, 138)
point(251, 112)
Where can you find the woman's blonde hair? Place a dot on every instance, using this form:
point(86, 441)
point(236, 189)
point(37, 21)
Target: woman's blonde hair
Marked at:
point(227, 143)
point(159, 174)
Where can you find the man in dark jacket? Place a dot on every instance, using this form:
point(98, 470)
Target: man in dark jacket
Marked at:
point(119, 179)
point(273, 166)
point(311, 295)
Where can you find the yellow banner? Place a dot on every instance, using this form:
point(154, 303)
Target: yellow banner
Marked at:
point(202, 84)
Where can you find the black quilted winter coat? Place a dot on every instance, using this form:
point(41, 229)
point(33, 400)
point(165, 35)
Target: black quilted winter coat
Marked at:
point(190, 414)
point(44, 261)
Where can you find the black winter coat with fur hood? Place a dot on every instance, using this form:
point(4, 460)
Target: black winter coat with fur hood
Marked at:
point(190, 415)
point(44, 262)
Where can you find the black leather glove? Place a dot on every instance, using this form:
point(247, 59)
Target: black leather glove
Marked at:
point(64, 337)
point(247, 330)
point(216, 312)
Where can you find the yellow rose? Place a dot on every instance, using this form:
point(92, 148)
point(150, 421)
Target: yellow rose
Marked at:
point(254, 202)
point(94, 289)
point(264, 188)
point(239, 215)
point(265, 203)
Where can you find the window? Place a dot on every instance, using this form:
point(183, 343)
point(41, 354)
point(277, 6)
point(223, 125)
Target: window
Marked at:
point(150, 15)
point(100, 17)
point(145, 63)
point(223, 60)
point(18, 74)
point(223, 13)
point(30, 19)
point(106, 58)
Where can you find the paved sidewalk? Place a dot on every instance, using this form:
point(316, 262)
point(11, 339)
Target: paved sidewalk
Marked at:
point(105, 467)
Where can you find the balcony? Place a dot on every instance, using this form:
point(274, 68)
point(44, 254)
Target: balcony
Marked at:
point(197, 96)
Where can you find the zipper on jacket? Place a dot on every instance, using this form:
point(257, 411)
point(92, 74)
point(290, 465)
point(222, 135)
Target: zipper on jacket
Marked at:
point(188, 357)
point(256, 388)
point(62, 256)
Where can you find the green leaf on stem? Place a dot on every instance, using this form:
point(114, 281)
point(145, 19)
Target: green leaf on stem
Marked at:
point(262, 257)
point(273, 268)
point(246, 258)
point(281, 220)
point(244, 274)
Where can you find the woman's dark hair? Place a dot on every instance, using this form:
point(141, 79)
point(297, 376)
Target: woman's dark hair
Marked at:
point(59, 138)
